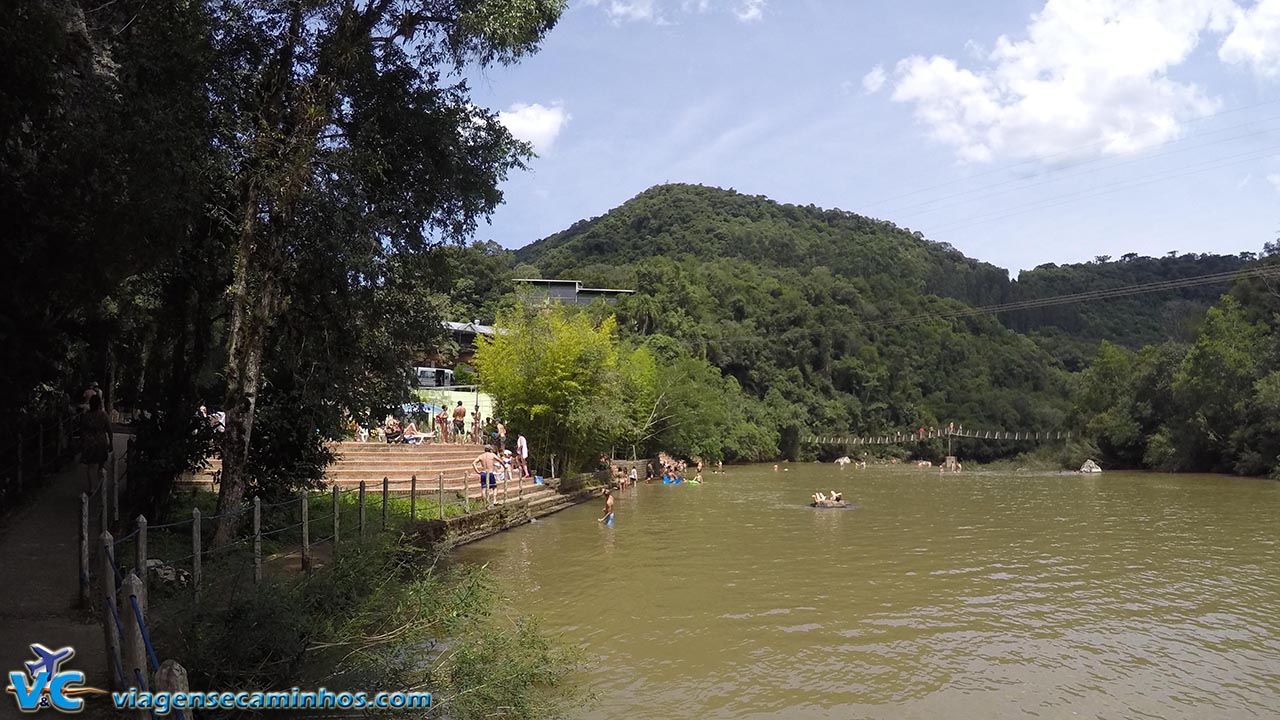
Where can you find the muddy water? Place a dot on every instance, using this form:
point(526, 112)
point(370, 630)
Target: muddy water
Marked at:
point(973, 596)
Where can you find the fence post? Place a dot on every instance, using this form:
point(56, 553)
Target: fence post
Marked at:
point(337, 518)
point(128, 460)
point(466, 493)
point(195, 552)
point(306, 532)
point(520, 483)
point(135, 650)
point(413, 498)
point(86, 599)
point(140, 552)
point(441, 496)
point(107, 549)
point(171, 678)
point(506, 479)
point(386, 489)
point(362, 510)
point(257, 540)
point(104, 507)
point(115, 489)
point(553, 465)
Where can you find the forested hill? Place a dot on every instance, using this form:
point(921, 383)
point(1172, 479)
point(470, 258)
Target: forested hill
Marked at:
point(1072, 331)
point(817, 314)
point(705, 223)
point(802, 308)
point(698, 223)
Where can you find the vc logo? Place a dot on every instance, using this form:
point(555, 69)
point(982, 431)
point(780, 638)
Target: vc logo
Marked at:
point(45, 684)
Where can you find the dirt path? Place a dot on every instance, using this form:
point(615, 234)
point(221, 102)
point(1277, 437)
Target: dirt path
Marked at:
point(39, 581)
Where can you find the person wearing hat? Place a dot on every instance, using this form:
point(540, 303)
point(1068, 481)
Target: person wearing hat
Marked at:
point(485, 465)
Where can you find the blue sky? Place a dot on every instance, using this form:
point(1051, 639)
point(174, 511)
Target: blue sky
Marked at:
point(1020, 132)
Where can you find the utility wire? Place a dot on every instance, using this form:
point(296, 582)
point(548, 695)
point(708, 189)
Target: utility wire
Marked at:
point(1093, 295)
point(1104, 190)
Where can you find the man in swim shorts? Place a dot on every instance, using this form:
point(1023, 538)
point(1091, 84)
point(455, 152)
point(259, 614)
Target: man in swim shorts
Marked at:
point(608, 509)
point(485, 465)
point(459, 422)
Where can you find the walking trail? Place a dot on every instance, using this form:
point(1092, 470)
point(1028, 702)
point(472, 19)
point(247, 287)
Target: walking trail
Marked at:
point(39, 580)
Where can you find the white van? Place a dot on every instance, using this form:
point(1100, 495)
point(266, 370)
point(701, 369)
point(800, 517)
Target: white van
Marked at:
point(433, 377)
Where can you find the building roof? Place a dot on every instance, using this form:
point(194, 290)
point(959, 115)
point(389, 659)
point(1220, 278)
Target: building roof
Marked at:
point(604, 290)
point(472, 327)
point(576, 283)
point(548, 282)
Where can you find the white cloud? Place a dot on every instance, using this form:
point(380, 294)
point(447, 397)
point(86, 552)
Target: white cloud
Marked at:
point(1244, 181)
point(536, 124)
point(1274, 179)
point(1090, 77)
point(621, 11)
point(750, 10)
point(1255, 39)
point(874, 80)
point(658, 11)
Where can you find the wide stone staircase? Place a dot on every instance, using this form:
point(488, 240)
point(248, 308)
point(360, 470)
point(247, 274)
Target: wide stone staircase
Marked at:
point(429, 463)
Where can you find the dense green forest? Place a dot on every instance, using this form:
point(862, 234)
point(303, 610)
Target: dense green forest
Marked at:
point(825, 321)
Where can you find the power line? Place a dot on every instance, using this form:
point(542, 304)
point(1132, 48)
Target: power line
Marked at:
point(1105, 190)
point(1268, 271)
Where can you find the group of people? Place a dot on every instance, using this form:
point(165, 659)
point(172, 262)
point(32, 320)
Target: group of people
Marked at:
point(674, 470)
point(501, 464)
point(448, 426)
point(834, 497)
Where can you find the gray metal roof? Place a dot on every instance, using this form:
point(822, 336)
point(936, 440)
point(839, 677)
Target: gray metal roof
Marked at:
point(471, 327)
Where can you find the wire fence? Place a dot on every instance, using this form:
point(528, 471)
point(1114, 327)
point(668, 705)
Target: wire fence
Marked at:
point(25, 461)
point(281, 539)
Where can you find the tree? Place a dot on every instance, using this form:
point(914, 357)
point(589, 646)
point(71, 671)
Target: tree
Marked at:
point(554, 375)
point(335, 109)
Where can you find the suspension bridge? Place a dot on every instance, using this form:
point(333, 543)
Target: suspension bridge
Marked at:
point(947, 433)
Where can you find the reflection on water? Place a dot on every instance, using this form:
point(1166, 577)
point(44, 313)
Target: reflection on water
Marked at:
point(981, 595)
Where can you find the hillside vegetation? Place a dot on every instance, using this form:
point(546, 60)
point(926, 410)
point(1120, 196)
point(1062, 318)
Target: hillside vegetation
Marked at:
point(822, 319)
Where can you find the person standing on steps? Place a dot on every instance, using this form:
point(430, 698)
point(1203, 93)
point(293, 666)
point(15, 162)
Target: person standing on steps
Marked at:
point(475, 425)
point(95, 443)
point(522, 454)
point(459, 422)
point(502, 435)
point(485, 465)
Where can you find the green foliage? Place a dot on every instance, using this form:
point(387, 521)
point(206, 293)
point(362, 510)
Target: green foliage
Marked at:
point(382, 616)
point(563, 378)
point(787, 302)
point(1207, 406)
point(555, 376)
point(1070, 332)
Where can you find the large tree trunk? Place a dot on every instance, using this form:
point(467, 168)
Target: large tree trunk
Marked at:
point(252, 298)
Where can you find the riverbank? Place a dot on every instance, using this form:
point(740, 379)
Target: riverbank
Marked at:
point(465, 529)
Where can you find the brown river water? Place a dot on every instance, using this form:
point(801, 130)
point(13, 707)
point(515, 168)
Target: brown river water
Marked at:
point(970, 596)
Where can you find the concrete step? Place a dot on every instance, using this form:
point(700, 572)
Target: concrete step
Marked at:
point(382, 447)
point(400, 463)
point(424, 475)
